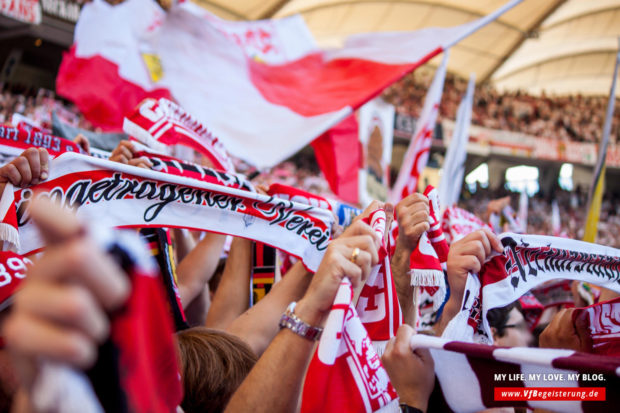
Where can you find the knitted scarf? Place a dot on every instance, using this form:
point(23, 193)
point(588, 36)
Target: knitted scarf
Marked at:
point(120, 195)
point(527, 262)
point(473, 377)
point(136, 370)
point(599, 327)
point(346, 374)
point(161, 123)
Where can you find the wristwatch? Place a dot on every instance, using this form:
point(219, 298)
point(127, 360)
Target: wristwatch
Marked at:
point(292, 322)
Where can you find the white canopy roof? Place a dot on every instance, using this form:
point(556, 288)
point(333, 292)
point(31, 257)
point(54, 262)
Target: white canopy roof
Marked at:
point(560, 46)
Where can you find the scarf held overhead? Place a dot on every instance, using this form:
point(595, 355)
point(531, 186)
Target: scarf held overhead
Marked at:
point(120, 195)
point(527, 262)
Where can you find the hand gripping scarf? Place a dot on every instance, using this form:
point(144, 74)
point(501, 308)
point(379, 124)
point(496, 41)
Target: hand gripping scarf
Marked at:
point(120, 195)
point(160, 123)
point(527, 262)
point(174, 166)
point(378, 305)
point(599, 326)
point(427, 264)
point(345, 373)
point(14, 141)
point(136, 369)
point(473, 377)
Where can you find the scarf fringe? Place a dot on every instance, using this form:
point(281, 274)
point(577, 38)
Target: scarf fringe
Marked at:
point(143, 137)
point(9, 234)
point(426, 278)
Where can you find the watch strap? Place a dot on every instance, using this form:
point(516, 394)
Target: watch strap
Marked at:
point(296, 325)
point(405, 408)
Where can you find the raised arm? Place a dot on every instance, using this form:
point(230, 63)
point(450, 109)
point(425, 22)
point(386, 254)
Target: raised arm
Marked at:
point(196, 269)
point(232, 296)
point(259, 325)
point(412, 215)
point(275, 382)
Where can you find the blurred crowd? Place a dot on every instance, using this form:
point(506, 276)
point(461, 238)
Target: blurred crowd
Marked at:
point(567, 118)
point(572, 208)
point(39, 107)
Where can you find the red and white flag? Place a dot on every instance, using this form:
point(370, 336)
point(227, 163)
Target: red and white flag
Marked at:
point(263, 87)
point(417, 153)
point(454, 163)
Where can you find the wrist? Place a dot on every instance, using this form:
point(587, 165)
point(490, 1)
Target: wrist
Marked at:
point(309, 314)
point(405, 247)
point(415, 401)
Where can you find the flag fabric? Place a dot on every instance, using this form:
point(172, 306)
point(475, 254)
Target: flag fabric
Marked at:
point(550, 379)
point(522, 212)
point(233, 76)
point(556, 222)
point(376, 133)
point(595, 196)
point(454, 164)
point(417, 153)
point(526, 263)
point(121, 195)
point(337, 152)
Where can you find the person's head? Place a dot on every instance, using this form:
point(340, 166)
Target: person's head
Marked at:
point(509, 327)
point(213, 365)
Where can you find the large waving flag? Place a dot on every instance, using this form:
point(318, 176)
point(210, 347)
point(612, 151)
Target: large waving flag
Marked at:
point(264, 87)
point(417, 153)
point(454, 164)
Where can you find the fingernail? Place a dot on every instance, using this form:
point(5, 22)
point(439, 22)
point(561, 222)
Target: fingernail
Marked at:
point(44, 175)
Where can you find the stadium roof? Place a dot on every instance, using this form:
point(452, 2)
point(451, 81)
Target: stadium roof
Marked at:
point(560, 46)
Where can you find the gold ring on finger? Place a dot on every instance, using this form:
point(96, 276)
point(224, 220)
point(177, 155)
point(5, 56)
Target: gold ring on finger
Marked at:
point(354, 255)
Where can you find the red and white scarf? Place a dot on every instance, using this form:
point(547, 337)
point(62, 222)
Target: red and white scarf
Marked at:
point(457, 223)
point(160, 123)
point(175, 166)
point(431, 296)
point(13, 142)
point(130, 375)
point(378, 305)
point(346, 374)
point(118, 195)
point(599, 326)
point(473, 377)
point(12, 272)
point(527, 262)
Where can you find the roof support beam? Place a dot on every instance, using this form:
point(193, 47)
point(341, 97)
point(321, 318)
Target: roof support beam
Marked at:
point(518, 44)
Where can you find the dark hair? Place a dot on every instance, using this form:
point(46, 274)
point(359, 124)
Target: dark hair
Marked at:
point(213, 365)
point(498, 317)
